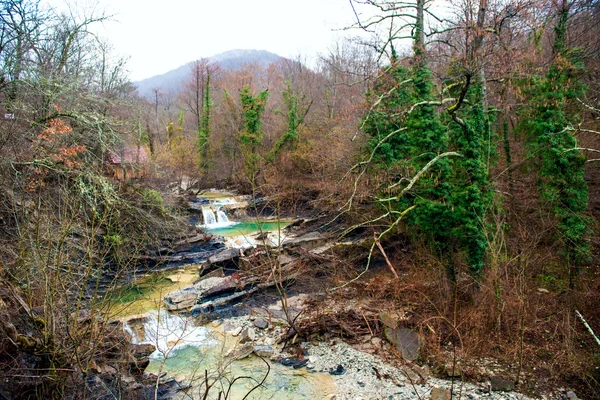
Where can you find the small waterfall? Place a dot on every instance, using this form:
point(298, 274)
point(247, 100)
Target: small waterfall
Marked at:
point(215, 217)
point(209, 216)
point(221, 216)
point(168, 333)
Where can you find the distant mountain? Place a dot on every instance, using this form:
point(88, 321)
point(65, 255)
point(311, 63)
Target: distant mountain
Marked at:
point(171, 81)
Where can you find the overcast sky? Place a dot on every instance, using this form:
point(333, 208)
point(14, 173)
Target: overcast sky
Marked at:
point(160, 35)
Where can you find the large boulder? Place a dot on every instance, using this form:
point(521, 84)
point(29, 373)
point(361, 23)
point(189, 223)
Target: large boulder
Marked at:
point(181, 299)
point(406, 341)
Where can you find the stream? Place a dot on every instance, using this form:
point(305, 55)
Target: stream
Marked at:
point(186, 351)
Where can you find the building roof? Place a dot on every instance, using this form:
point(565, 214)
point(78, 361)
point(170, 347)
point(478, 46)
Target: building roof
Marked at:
point(128, 155)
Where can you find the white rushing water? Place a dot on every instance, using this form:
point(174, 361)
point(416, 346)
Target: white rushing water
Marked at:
point(221, 216)
point(169, 333)
point(215, 217)
point(209, 216)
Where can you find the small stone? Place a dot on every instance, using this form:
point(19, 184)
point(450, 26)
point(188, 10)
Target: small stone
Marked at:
point(313, 359)
point(542, 290)
point(293, 362)
point(236, 331)
point(270, 341)
point(440, 394)
point(339, 370)
point(107, 369)
point(571, 395)
point(422, 371)
point(247, 335)
point(284, 259)
point(501, 384)
point(216, 323)
point(377, 342)
point(264, 351)
point(261, 323)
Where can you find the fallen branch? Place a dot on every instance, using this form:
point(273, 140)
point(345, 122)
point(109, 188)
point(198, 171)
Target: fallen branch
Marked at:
point(589, 328)
point(387, 260)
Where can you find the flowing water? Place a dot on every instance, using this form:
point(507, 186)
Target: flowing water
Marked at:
point(186, 351)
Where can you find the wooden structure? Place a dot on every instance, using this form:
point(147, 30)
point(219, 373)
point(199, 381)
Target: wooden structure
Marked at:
point(127, 163)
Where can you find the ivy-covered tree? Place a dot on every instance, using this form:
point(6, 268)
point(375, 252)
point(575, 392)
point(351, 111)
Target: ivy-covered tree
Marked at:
point(251, 137)
point(548, 123)
point(406, 135)
point(449, 202)
point(296, 112)
point(204, 129)
point(471, 194)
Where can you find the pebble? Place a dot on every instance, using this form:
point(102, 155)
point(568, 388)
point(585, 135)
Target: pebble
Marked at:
point(571, 395)
point(339, 370)
point(261, 323)
point(236, 331)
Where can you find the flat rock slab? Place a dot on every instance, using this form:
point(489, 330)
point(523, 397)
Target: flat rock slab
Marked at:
point(241, 352)
point(215, 286)
point(188, 297)
point(181, 299)
point(308, 241)
point(264, 351)
point(225, 257)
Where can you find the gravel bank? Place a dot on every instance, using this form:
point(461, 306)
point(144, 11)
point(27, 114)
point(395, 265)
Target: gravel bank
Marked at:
point(361, 376)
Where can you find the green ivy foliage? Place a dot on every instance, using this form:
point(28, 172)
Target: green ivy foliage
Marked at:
point(472, 194)
point(204, 129)
point(251, 137)
point(294, 119)
point(547, 122)
point(452, 197)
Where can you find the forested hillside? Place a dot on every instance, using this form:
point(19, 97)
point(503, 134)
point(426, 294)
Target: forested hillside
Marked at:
point(461, 143)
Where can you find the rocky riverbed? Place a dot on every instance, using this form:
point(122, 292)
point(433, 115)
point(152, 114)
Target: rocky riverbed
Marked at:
point(231, 297)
